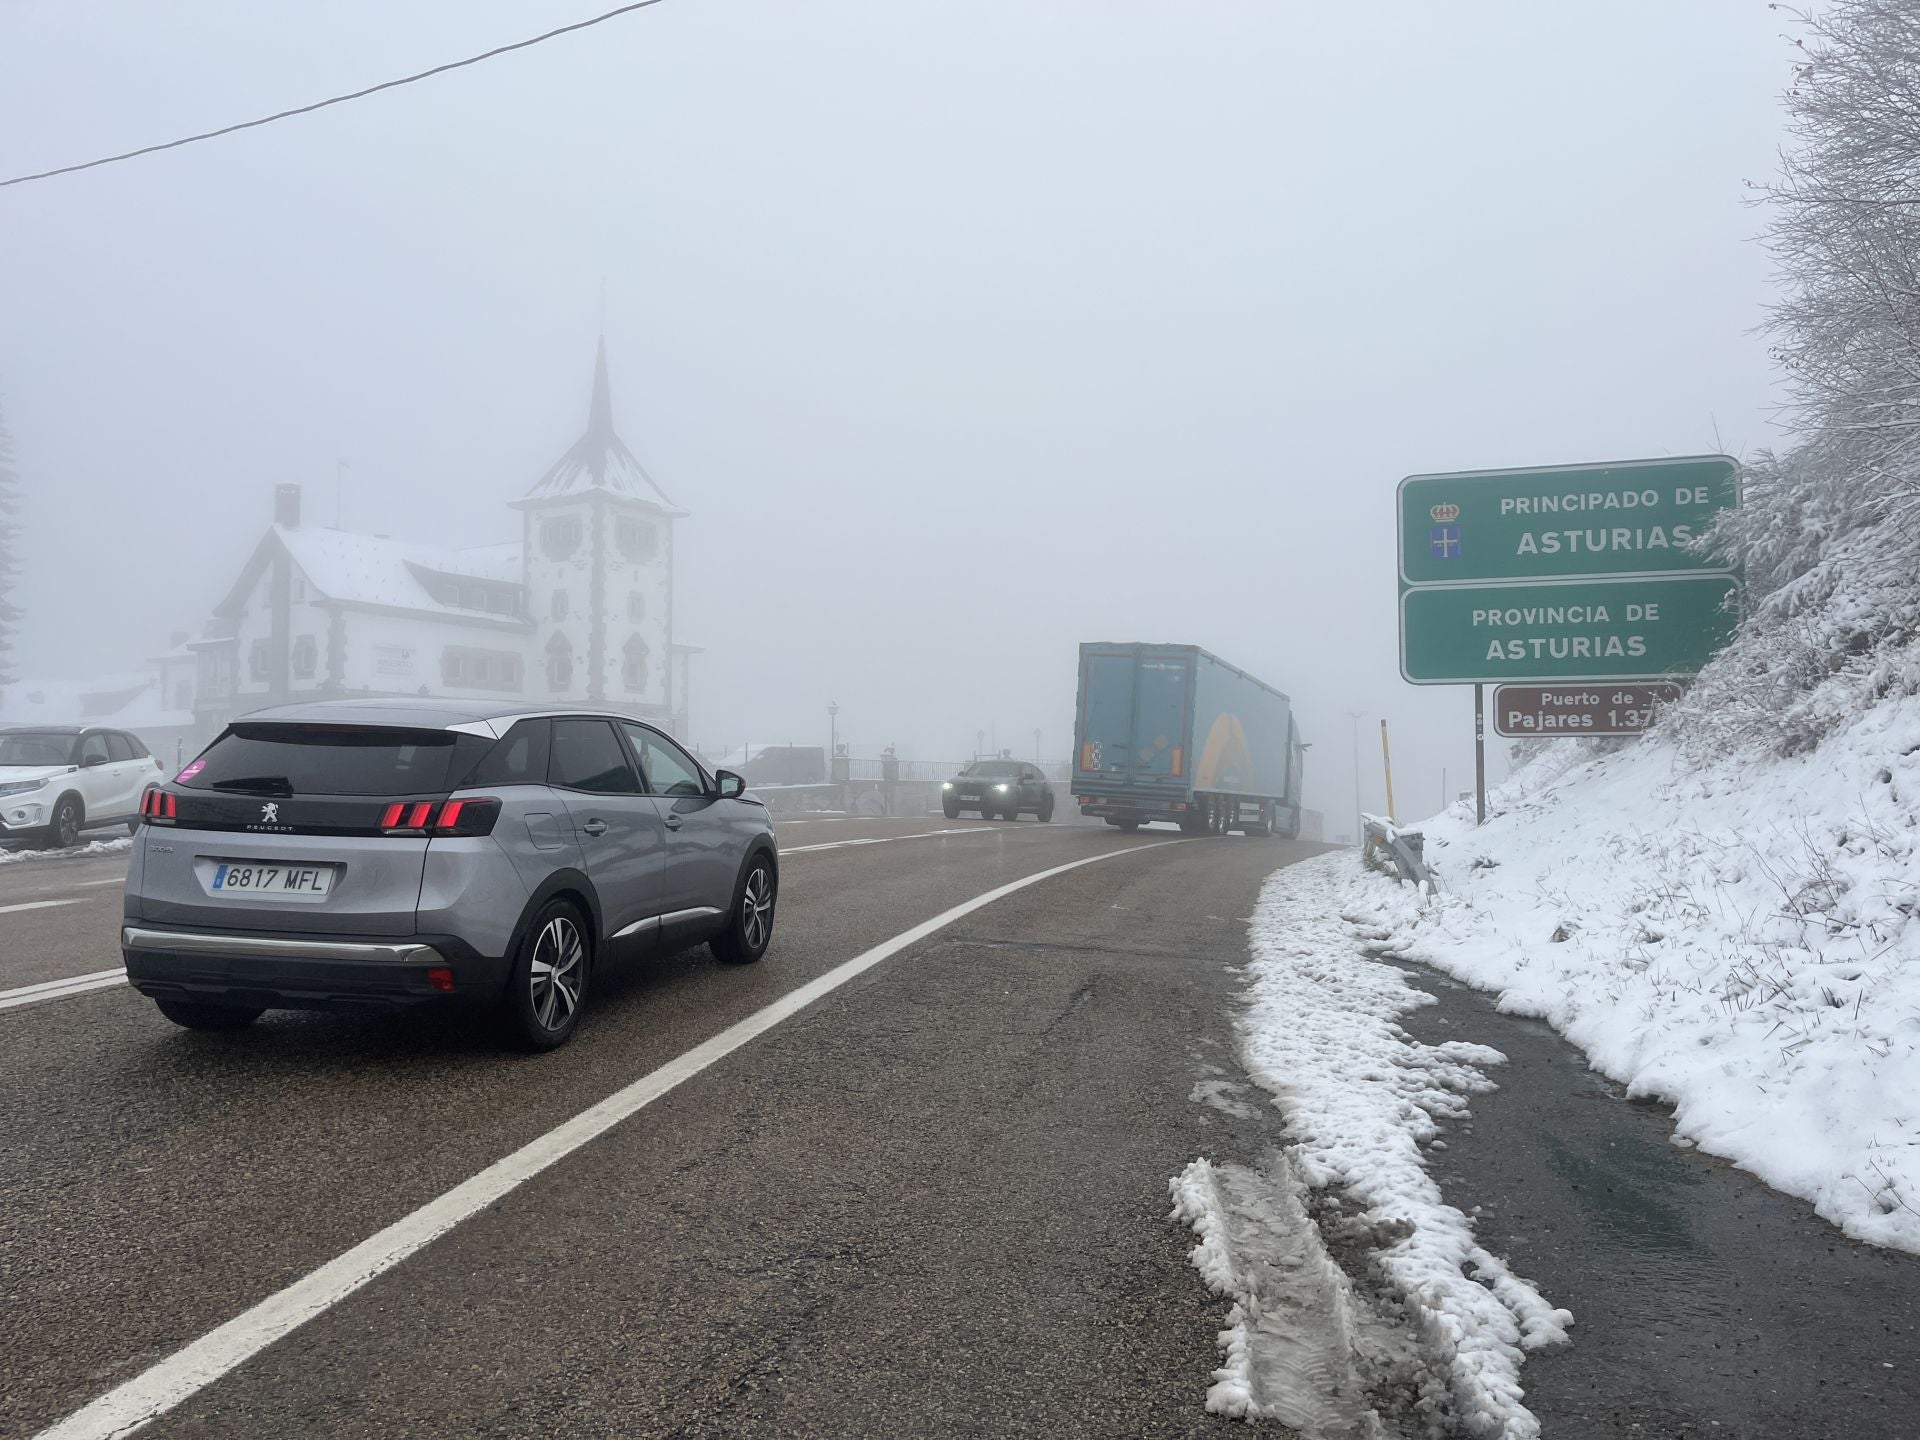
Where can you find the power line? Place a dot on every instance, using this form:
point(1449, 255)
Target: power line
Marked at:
point(332, 99)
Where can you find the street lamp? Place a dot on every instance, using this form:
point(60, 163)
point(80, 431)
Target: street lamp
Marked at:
point(833, 728)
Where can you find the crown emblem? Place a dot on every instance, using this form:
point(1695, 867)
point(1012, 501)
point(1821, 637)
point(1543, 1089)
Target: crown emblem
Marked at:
point(1442, 514)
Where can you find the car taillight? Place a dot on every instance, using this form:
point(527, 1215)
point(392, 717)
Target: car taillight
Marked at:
point(158, 806)
point(467, 817)
point(448, 817)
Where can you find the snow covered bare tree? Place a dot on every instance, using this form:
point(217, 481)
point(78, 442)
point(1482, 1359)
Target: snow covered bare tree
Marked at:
point(1829, 534)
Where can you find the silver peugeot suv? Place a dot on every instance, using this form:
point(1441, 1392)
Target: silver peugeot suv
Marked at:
point(349, 855)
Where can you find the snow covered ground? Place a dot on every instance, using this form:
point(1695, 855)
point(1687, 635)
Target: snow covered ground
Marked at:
point(92, 847)
point(1361, 1100)
point(1734, 938)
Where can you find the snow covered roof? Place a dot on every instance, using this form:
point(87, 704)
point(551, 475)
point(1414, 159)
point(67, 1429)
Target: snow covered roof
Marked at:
point(394, 574)
point(600, 460)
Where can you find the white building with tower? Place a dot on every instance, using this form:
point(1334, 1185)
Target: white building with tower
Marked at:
point(577, 610)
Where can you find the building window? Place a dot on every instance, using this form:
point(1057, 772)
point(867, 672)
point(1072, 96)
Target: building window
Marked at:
point(306, 656)
point(257, 660)
point(471, 669)
point(559, 663)
point(636, 538)
point(183, 695)
point(633, 665)
point(636, 607)
point(560, 536)
point(558, 611)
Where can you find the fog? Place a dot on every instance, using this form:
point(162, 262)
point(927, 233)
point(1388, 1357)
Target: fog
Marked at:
point(964, 333)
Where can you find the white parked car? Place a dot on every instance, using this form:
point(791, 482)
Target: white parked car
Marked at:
point(56, 781)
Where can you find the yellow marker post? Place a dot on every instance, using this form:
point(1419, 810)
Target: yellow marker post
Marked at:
point(1386, 761)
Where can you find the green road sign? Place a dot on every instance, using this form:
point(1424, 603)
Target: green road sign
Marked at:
point(1619, 629)
point(1632, 517)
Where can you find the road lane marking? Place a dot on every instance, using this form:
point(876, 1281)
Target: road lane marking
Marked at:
point(187, 1371)
point(889, 839)
point(59, 989)
point(34, 905)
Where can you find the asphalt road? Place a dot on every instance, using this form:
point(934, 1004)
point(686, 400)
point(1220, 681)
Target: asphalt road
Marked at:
point(934, 1202)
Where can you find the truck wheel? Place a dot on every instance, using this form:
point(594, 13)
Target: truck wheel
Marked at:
point(1129, 825)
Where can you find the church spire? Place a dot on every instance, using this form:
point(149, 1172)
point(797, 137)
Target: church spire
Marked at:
point(598, 461)
point(600, 414)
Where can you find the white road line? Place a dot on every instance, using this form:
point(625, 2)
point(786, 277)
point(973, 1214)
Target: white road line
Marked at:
point(120, 880)
point(60, 989)
point(889, 839)
point(34, 905)
point(187, 1371)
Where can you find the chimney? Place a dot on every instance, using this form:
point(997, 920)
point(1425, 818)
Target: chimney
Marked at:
point(286, 506)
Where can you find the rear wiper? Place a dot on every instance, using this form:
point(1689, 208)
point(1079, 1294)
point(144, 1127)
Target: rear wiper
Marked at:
point(257, 785)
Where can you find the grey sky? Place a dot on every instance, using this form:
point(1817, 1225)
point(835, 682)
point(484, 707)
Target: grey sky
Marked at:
point(965, 331)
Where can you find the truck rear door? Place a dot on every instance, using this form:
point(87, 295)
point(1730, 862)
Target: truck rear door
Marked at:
point(1135, 703)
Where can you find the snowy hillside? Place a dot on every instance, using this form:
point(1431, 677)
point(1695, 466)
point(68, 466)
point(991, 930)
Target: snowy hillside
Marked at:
point(1735, 938)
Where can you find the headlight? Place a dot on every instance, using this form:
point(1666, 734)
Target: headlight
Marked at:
point(20, 787)
point(1001, 788)
point(946, 784)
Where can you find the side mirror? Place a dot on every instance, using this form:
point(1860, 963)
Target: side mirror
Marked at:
point(93, 760)
point(731, 785)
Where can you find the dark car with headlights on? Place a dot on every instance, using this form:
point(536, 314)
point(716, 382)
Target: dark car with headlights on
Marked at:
point(1008, 788)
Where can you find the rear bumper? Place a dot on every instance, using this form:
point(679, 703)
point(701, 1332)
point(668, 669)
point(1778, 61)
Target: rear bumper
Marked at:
point(301, 972)
point(1144, 808)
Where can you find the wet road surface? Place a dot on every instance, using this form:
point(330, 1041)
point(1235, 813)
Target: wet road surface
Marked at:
point(1704, 1303)
point(934, 1202)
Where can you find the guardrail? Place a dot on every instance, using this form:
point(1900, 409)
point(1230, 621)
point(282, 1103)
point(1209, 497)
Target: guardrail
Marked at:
point(1402, 853)
point(853, 797)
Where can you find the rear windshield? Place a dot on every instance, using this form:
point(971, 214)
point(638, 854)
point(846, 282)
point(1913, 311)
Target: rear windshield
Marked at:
point(994, 769)
point(36, 749)
point(333, 760)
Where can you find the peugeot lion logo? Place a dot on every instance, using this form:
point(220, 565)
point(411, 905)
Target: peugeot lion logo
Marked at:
point(269, 814)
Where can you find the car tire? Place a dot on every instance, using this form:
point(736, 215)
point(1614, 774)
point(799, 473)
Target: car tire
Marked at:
point(1045, 813)
point(69, 815)
point(195, 1015)
point(547, 983)
point(952, 812)
point(750, 927)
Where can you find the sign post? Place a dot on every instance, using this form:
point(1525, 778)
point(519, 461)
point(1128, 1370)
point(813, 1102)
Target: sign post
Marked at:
point(1570, 580)
point(1480, 754)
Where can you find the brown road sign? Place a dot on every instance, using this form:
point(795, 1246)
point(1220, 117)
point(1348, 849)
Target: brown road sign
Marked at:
point(1526, 712)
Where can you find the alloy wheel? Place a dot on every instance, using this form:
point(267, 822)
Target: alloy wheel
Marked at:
point(756, 909)
point(555, 973)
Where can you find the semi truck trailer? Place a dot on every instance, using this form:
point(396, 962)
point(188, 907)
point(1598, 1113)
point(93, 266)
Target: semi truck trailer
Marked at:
point(1171, 733)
